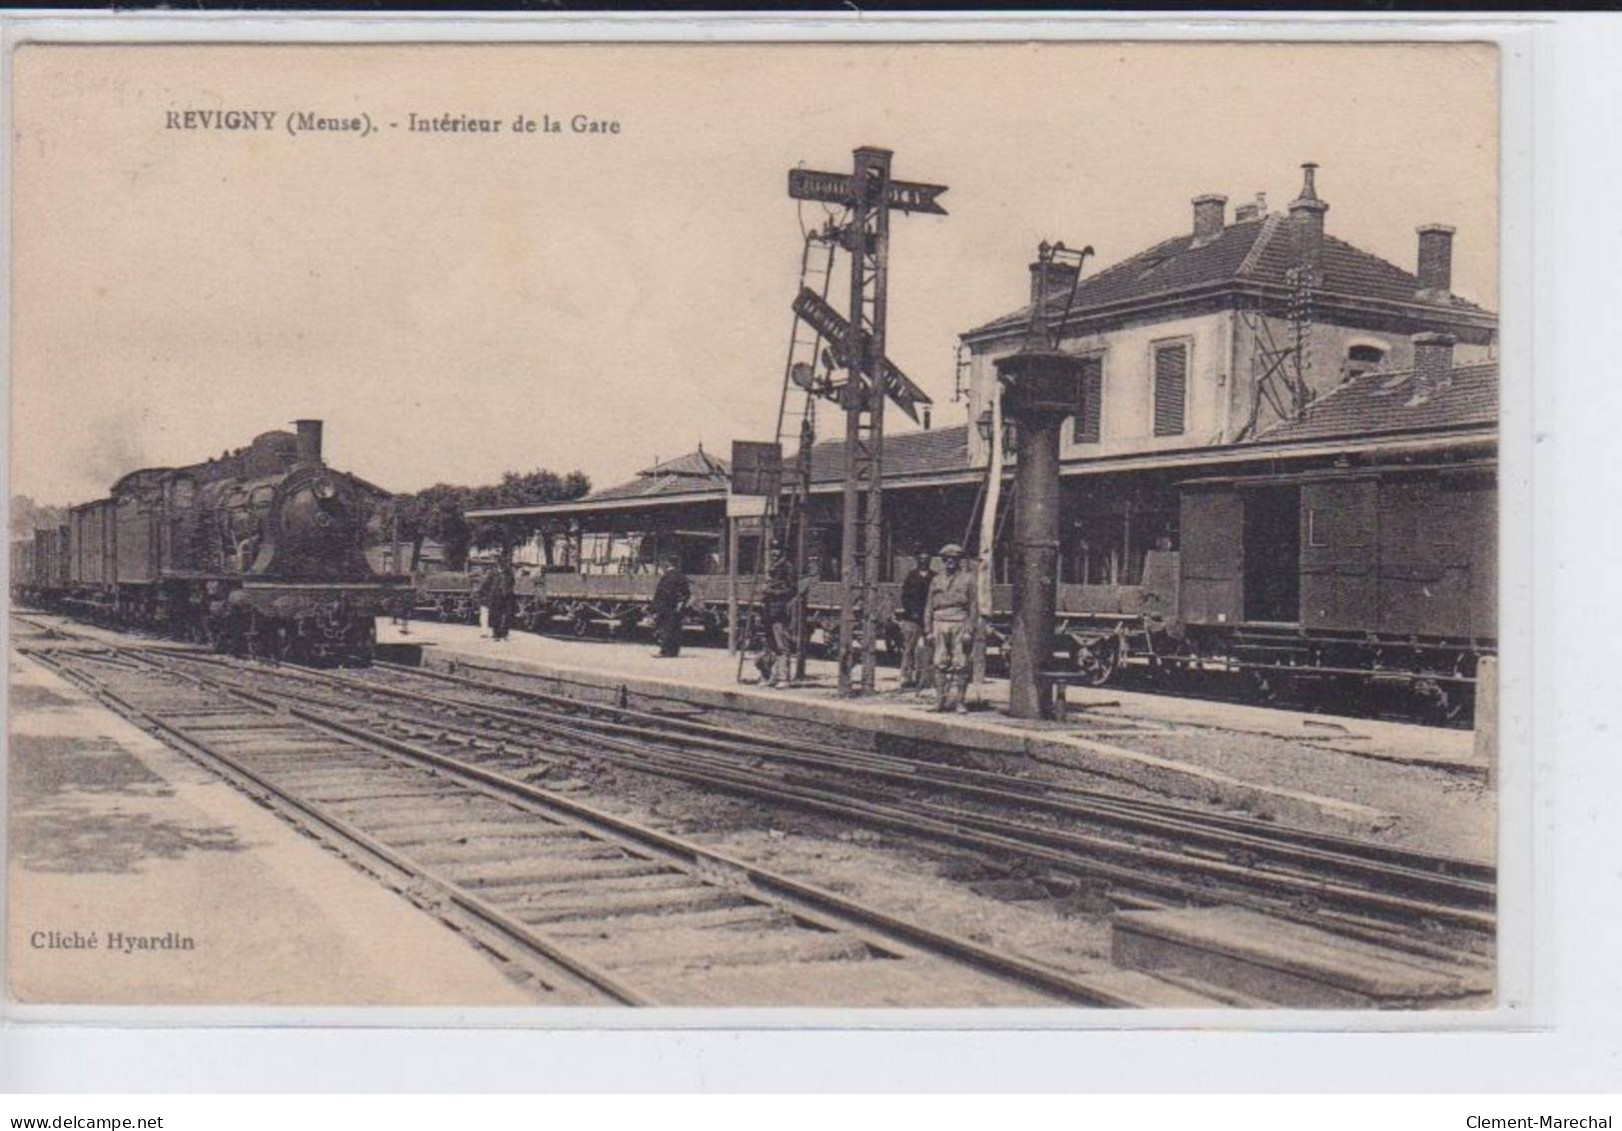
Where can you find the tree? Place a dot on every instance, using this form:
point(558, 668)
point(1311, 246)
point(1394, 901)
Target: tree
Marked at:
point(437, 513)
point(533, 488)
point(434, 513)
point(28, 516)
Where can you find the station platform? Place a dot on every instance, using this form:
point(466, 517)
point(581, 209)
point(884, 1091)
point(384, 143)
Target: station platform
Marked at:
point(137, 877)
point(1342, 774)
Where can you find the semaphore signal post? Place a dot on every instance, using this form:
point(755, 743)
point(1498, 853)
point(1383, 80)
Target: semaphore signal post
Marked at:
point(871, 195)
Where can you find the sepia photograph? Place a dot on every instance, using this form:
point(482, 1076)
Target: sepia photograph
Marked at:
point(993, 526)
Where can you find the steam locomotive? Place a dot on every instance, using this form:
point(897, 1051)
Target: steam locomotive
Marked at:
point(258, 552)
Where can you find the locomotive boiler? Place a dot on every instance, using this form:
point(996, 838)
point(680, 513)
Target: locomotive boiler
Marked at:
point(260, 551)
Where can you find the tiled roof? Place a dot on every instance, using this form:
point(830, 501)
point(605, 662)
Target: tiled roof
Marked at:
point(685, 475)
point(1247, 251)
point(1378, 403)
point(905, 453)
point(697, 464)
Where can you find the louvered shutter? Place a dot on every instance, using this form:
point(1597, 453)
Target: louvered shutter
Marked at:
point(1171, 389)
point(1090, 413)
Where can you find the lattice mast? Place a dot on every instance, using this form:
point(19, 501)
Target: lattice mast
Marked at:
point(869, 244)
point(858, 343)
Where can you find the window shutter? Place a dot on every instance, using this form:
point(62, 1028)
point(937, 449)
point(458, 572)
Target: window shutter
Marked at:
point(1088, 419)
point(1171, 388)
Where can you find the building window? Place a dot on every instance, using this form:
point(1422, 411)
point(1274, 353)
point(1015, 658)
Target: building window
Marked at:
point(1363, 359)
point(1087, 427)
point(1171, 389)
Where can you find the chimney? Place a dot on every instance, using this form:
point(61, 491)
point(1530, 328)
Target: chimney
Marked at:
point(1210, 211)
point(1433, 366)
point(1435, 262)
point(1255, 210)
point(1307, 221)
point(309, 440)
point(1060, 278)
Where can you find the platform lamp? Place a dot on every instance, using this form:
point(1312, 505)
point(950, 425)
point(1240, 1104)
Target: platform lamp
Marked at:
point(985, 425)
point(1041, 387)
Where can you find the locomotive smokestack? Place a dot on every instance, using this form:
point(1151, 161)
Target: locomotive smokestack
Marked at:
point(309, 440)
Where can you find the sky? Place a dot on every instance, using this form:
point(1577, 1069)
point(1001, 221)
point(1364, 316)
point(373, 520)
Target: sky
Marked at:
point(457, 305)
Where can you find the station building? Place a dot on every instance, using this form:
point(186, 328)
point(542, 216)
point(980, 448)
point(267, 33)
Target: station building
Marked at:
point(1256, 345)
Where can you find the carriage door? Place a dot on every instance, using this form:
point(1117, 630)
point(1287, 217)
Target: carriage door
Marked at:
point(1273, 555)
point(1339, 523)
point(1212, 556)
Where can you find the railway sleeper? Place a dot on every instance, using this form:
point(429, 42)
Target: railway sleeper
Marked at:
point(407, 832)
point(544, 890)
point(672, 902)
point(702, 950)
point(542, 878)
point(746, 918)
point(572, 869)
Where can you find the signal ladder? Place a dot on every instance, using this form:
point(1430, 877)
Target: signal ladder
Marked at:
point(807, 373)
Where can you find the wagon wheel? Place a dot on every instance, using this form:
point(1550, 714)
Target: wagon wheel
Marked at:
point(1097, 662)
point(362, 642)
point(1261, 685)
point(580, 625)
point(1443, 704)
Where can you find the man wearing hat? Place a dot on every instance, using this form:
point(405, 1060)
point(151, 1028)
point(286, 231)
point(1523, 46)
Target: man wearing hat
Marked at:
point(951, 619)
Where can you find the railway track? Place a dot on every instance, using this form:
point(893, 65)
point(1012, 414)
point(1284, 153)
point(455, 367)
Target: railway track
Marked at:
point(1140, 854)
point(584, 906)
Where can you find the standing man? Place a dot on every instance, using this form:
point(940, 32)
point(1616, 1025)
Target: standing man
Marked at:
point(914, 602)
point(501, 599)
point(951, 618)
point(777, 617)
point(670, 599)
point(481, 595)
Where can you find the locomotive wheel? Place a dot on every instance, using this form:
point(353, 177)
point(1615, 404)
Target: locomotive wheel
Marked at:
point(204, 631)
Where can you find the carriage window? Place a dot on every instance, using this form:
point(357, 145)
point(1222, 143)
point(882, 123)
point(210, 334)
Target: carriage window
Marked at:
point(262, 496)
point(182, 494)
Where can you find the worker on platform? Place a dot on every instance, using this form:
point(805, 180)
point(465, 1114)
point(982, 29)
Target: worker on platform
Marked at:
point(501, 598)
point(951, 618)
point(482, 590)
point(670, 599)
point(910, 617)
point(777, 618)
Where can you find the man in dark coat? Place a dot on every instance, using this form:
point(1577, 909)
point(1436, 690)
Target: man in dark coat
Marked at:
point(777, 618)
point(670, 599)
point(910, 618)
point(501, 599)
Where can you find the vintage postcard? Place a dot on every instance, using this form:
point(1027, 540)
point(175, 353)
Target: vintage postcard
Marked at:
point(1007, 526)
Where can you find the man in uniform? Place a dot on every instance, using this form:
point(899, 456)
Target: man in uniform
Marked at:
point(951, 618)
point(777, 618)
point(914, 600)
point(501, 599)
point(670, 599)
